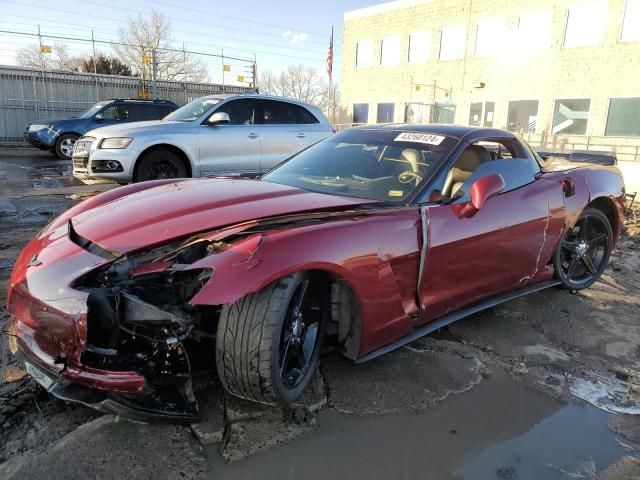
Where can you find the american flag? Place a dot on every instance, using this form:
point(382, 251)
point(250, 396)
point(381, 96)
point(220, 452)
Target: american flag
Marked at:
point(330, 57)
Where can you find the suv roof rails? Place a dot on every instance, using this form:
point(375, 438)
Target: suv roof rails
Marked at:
point(143, 100)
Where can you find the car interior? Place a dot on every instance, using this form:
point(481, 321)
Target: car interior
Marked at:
point(470, 159)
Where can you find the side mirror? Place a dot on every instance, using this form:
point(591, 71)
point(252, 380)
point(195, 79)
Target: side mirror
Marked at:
point(481, 191)
point(98, 117)
point(486, 188)
point(219, 118)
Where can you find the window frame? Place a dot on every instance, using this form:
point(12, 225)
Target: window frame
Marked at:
point(566, 24)
point(378, 105)
point(429, 37)
point(353, 111)
point(373, 50)
point(464, 44)
point(220, 105)
point(553, 112)
point(399, 50)
point(483, 115)
point(624, 16)
point(523, 100)
point(606, 118)
point(487, 21)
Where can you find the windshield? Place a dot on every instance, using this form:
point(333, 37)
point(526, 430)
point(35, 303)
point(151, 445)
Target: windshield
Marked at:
point(192, 110)
point(93, 110)
point(386, 165)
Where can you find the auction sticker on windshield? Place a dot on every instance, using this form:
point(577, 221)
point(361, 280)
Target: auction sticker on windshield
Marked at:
point(427, 138)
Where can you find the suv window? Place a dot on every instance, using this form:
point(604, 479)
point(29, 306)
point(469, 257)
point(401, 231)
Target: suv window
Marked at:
point(243, 111)
point(139, 112)
point(116, 112)
point(284, 113)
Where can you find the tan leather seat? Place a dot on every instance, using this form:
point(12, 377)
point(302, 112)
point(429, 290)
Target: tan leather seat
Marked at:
point(412, 157)
point(469, 161)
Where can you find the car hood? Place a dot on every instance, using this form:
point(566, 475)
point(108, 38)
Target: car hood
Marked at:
point(159, 214)
point(139, 128)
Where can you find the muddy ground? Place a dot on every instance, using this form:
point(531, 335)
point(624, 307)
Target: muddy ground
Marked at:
point(545, 386)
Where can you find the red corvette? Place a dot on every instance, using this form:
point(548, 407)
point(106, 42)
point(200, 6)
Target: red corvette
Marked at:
point(361, 243)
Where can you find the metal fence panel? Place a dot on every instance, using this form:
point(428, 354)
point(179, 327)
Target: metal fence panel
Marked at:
point(28, 94)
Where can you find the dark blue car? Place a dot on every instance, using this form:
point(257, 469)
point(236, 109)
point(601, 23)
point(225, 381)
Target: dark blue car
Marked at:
point(59, 136)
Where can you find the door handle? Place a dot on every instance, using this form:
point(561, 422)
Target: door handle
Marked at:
point(253, 135)
point(301, 135)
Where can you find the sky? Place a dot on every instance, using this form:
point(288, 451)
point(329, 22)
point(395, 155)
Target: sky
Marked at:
point(279, 33)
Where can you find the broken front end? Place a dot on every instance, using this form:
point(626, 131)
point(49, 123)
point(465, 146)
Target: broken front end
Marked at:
point(122, 337)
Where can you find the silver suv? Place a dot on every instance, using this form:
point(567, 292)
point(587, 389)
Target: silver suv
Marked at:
point(219, 134)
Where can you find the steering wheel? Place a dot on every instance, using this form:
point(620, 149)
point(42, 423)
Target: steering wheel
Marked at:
point(409, 176)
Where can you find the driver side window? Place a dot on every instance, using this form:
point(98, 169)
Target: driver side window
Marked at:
point(503, 156)
point(116, 112)
point(241, 112)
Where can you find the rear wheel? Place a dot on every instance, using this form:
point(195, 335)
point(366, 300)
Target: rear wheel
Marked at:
point(268, 343)
point(160, 164)
point(584, 251)
point(64, 145)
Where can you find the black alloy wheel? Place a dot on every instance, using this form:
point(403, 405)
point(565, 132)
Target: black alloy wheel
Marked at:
point(299, 337)
point(159, 165)
point(584, 251)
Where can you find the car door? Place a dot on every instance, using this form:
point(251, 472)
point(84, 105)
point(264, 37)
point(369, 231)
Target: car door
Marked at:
point(233, 147)
point(502, 247)
point(283, 133)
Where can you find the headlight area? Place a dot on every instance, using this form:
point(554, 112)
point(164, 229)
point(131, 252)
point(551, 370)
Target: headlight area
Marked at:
point(139, 317)
point(115, 143)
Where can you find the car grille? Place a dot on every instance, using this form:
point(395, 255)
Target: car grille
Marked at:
point(82, 147)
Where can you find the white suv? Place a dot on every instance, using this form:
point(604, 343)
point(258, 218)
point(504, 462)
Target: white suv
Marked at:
point(219, 134)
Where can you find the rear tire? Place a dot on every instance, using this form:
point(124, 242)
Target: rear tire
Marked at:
point(64, 145)
point(160, 164)
point(268, 343)
point(584, 251)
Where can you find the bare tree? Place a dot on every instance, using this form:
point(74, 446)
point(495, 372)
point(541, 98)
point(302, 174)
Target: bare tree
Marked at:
point(59, 59)
point(302, 83)
point(105, 65)
point(142, 36)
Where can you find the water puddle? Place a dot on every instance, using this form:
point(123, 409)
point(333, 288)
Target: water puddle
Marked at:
point(498, 430)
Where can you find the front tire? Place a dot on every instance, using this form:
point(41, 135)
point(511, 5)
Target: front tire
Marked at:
point(160, 164)
point(64, 145)
point(268, 343)
point(584, 251)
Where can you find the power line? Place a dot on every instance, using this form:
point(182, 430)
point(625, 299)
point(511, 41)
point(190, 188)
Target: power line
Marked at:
point(181, 7)
point(111, 19)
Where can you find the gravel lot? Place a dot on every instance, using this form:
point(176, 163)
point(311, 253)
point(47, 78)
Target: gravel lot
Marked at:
point(496, 395)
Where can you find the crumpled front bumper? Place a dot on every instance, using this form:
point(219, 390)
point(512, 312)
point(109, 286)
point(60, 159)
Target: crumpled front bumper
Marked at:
point(148, 406)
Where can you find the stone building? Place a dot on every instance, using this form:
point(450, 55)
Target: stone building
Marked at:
point(564, 73)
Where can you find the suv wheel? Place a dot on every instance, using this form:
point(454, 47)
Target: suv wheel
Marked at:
point(160, 164)
point(64, 145)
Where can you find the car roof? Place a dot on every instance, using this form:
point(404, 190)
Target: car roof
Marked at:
point(258, 96)
point(458, 131)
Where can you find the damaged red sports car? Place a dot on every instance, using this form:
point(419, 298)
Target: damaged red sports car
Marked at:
point(361, 243)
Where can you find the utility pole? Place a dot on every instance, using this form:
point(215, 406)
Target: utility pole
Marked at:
point(44, 87)
point(95, 68)
point(224, 67)
point(154, 72)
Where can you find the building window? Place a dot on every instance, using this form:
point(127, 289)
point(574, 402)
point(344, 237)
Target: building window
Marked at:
point(623, 119)
point(631, 22)
point(475, 114)
point(570, 116)
point(585, 25)
point(385, 112)
point(419, 44)
point(534, 32)
point(417, 113)
point(360, 113)
point(364, 54)
point(452, 43)
point(522, 116)
point(481, 114)
point(390, 51)
point(489, 37)
point(444, 112)
point(489, 108)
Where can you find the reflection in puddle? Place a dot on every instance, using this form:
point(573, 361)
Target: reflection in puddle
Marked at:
point(499, 429)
